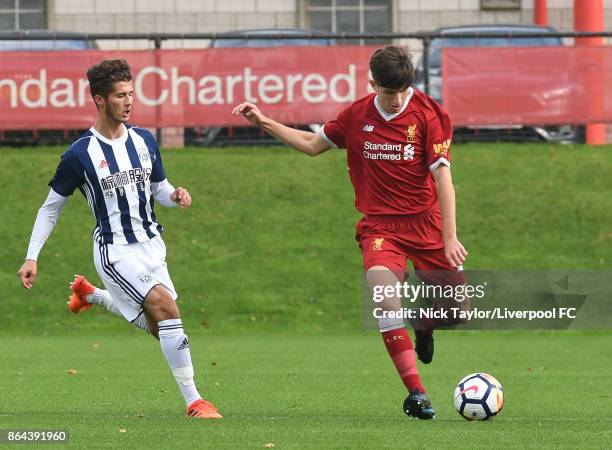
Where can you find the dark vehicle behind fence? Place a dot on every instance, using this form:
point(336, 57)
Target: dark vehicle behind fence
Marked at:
point(506, 38)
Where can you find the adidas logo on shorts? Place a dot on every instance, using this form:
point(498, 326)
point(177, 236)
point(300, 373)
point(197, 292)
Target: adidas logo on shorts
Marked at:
point(184, 345)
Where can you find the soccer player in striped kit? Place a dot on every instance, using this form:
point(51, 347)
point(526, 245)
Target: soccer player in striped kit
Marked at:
point(118, 169)
point(398, 151)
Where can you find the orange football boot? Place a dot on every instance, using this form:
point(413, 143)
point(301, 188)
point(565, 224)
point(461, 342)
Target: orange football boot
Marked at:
point(202, 409)
point(77, 301)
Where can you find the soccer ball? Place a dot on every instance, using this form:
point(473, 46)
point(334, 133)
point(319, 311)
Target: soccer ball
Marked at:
point(479, 396)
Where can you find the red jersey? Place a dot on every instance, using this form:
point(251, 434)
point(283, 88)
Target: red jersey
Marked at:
point(391, 156)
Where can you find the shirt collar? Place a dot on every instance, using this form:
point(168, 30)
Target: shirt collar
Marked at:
point(385, 115)
point(119, 140)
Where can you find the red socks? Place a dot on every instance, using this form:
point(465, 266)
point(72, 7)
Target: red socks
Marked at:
point(402, 353)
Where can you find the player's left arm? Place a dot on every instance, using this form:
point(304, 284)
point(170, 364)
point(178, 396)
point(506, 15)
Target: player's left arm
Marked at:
point(181, 197)
point(453, 249)
point(163, 192)
point(438, 148)
point(169, 196)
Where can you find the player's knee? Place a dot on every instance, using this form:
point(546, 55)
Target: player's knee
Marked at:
point(377, 268)
point(165, 310)
point(160, 305)
point(384, 275)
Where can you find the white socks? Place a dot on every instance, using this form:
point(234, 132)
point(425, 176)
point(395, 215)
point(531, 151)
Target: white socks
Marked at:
point(102, 297)
point(387, 324)
point(173, 341)
point(175, 346)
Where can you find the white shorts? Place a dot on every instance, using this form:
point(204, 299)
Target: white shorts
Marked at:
point(130, 271)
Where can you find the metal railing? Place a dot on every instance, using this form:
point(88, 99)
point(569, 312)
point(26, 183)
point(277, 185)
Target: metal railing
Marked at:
point(426, 38)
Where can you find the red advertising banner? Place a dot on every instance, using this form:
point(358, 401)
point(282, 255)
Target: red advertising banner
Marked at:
point(49, 90)
point(530, 86)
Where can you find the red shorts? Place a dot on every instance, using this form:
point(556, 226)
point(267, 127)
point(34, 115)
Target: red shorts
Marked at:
point(388, 241)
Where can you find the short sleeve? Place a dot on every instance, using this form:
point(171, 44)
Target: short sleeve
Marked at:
point(69, 174)
point(334, 131)
point(157, 171)
point(439, 134)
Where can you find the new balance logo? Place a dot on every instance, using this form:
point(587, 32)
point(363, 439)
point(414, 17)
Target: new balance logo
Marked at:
point(368, 128)
point(184, 345)
point(103, 164)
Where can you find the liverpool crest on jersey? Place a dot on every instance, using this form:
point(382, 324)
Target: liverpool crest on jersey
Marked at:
point(377, 244)
point(411, 132)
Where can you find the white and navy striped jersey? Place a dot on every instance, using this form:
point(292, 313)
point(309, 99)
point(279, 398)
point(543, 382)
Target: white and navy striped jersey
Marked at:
point(115, 176)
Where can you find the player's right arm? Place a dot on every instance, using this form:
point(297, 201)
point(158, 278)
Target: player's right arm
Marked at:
point(43, 226)
point(68, 176)
point(312, 144)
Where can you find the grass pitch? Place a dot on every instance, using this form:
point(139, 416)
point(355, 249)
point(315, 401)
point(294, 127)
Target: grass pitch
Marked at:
point(268, 275)
point(307, 391)
point(269, 240)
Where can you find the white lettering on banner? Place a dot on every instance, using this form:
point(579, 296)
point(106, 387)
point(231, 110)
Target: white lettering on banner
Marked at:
point(12, 85)
point(62, 98)
point(248, 79)
point(275, 86)
point(163, 94)
point(349, 79)
point(40, 90)
point(177, 80)
point(231, 81)
point(291, 81)
point(41, 84)
point(83, 91)
point(215, 88)
point(314, 82)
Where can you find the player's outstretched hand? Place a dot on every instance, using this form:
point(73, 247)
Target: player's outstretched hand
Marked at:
point(181, 196)
point(27, 273)
point(454, 252)
point(250, 112)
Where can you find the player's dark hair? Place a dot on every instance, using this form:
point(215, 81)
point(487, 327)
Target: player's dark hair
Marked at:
point(392, 68)
point(102, 76)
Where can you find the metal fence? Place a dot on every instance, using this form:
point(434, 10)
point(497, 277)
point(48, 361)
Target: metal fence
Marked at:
point(166, 40)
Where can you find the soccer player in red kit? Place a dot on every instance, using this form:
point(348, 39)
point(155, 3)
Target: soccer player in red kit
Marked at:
point(398, 143)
